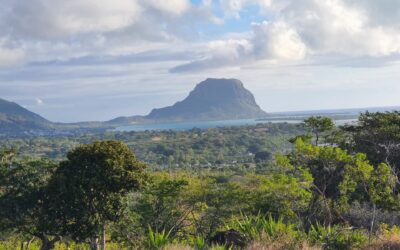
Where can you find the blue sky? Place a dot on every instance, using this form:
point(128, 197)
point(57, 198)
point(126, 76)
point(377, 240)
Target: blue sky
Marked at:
point(97, 59)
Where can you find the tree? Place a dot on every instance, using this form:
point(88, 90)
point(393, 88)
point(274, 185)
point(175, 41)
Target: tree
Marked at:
point(89, 189)
point(377, 135)
point(339, 179)
point(22, 198)
point(282, 195)
point(162, 205)
point(262, 156)
point(319, 125)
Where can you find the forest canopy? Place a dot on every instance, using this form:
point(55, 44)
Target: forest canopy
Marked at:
point(279, 185)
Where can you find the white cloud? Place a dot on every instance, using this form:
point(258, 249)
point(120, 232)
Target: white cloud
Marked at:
point(40, 30)
point(11, 57)
point(301, 29)
point(278, 41)
point(335, 27)
point(234, 7)
point(219, 54)
point(170, 7)
point(273, 42)
point(45, 30)
point(51, 19)
point(115, 54)
point(39, 101)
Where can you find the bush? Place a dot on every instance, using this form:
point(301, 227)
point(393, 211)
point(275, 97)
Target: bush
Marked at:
point(157, 240)
point(198, 242)
point(360, 216)
point(269, 231)
point(336, 237)
point(256, 227)
point(387, 238)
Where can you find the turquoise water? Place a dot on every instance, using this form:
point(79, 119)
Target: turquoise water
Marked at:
point(181, 126)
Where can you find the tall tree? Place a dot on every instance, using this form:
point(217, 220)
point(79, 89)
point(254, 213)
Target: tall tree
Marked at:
point(319, 125)
point(22, 195)
point(339, 179)
point(378, 136)
point(90, 186)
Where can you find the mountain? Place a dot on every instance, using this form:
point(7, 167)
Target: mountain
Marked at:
point(14, 119)
point(212, 99)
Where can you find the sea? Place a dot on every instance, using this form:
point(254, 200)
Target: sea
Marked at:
point(182, 126)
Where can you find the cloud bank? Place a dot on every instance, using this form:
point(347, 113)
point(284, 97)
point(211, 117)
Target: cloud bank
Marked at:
point(304, 29)
point(78, 53)
point(292, 30)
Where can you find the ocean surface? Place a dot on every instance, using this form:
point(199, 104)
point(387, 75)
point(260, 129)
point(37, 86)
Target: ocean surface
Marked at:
point(181, 126)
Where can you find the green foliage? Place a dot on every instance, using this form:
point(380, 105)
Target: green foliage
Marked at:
point(162, 205)
point(257, 227)
point(305, 138)
point(22, 194)
point(338, 179)
point(336, 237)
point(230, 147)
point(198, 242)
point(201, 182)
point(87, 190)
point(280, 194)
point(261, 156)
point(156, 240)
point(218, 247)
point(319, 125)
point(377, 135)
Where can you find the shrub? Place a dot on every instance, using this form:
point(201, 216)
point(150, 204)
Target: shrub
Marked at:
point(269, 231)
point(336, 237)
point(198, 242)
point(157, 240)
point(361, 215)
point(387, 238)
point(256, 227)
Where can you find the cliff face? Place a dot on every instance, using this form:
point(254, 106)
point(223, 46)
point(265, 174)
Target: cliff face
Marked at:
point(213, 99)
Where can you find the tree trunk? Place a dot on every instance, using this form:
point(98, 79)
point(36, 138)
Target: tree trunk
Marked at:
point(94, 244)
point(103, 238)
point(48, 244)
point(29, 243)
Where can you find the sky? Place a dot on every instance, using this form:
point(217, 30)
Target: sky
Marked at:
point(85, 60)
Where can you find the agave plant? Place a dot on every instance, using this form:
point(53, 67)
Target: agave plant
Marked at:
point(336, 237)
point(250, 227)
point(199, 243)
point(157, 240)
point(254, 227)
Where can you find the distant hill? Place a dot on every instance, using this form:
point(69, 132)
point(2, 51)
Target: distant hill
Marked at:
point(15, 119)
point(212, 99)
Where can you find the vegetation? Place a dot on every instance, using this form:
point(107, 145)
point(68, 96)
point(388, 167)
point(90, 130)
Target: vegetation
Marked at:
point(211, 148)
point(338, 189)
